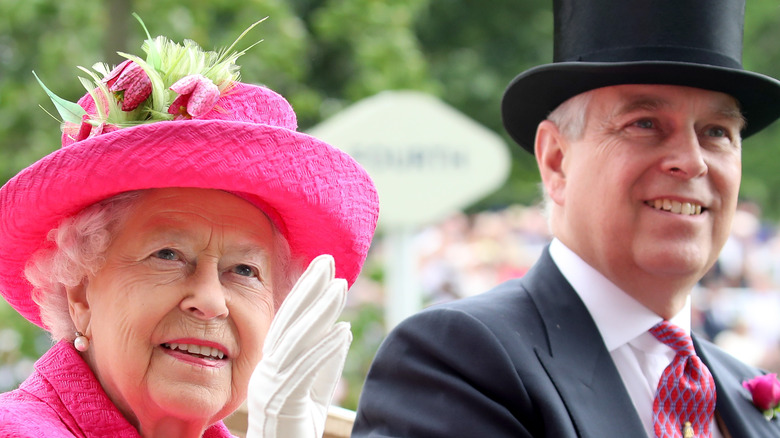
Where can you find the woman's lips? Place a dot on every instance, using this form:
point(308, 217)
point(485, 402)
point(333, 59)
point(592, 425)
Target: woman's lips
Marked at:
point(196, 351)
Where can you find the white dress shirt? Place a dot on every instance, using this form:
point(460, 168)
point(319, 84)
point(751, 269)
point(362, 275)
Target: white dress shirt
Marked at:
point(624, 323)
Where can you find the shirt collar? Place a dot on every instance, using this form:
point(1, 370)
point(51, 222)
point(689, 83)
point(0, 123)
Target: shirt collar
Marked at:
point(618, 316)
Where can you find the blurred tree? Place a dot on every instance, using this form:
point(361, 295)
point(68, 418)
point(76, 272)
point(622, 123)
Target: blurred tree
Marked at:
point(474, 50)
point(760, 177)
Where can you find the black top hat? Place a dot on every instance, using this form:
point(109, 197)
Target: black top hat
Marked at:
point(695, 43)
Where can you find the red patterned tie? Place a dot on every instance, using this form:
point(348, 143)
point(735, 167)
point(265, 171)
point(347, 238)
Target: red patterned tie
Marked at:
point(685, 399)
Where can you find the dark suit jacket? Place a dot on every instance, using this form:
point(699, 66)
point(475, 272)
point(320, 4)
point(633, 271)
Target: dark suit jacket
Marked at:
point(523, 360)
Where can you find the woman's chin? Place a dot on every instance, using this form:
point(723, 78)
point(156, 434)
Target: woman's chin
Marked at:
point(191, 403)
point(192, 390)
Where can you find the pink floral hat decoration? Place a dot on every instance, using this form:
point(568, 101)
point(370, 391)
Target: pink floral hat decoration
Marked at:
point(181, 118)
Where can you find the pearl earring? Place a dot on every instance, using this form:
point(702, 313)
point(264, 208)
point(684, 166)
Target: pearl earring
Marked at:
point(81, 343)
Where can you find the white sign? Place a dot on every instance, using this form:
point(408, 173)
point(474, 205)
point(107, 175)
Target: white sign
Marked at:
point(426, 158)
point(427, 161)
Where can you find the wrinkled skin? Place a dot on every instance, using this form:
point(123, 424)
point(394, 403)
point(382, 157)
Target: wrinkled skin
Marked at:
point(642, 144)
point(192, 265)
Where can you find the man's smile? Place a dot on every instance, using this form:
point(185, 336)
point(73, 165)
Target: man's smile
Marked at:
point(677, 207)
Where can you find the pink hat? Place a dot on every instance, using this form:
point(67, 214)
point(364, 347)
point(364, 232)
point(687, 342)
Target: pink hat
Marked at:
point(244, 142)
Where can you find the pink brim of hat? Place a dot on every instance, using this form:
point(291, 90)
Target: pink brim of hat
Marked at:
point(320, 198)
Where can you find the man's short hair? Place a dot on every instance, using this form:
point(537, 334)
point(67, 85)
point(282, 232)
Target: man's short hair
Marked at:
point(570, 116)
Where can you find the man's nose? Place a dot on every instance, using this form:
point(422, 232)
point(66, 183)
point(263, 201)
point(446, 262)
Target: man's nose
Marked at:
point(684, 157)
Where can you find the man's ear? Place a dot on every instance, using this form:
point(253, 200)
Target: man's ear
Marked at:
point(550, 149)
point(79, 309)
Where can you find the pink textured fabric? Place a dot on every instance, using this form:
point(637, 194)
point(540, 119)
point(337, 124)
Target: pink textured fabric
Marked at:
point(321, 199)
point(62, 398)
point(686, 390)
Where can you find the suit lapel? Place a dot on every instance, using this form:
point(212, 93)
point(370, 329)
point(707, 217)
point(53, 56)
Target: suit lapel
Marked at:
point(576, 359)
point(733, 404)
point(587, 381)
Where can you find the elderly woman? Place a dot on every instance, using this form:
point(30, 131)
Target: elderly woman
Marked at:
point(161, 241)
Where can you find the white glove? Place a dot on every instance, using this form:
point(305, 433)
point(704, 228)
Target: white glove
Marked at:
point(303, 356)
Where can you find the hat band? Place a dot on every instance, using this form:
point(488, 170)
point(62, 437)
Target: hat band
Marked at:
point(659, 53)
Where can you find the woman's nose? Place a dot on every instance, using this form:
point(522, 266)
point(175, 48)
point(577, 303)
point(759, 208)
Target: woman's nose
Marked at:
point(205, 296)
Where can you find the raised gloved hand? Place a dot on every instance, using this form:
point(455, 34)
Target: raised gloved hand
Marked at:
point(303, 356)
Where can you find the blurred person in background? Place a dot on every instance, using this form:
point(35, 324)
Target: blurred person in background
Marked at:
point(637, 128)
point(165, 248)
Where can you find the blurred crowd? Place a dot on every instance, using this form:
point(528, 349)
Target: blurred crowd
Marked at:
point(737, 305)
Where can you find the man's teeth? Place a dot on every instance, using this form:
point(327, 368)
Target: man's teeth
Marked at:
point(197, 349)
point(676, 206)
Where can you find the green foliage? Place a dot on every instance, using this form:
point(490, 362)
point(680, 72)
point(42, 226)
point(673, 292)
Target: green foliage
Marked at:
point(50, 38)
point(760, 176)
point(21, 342)
point(368, 331)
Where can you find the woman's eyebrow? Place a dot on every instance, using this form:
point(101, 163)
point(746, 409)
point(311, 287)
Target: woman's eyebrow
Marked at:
point(248, 250)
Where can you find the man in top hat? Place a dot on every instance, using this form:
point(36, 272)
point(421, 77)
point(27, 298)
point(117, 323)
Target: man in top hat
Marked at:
point(636, 127)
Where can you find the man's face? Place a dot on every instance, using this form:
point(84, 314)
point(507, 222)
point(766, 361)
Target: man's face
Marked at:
point(650, 188)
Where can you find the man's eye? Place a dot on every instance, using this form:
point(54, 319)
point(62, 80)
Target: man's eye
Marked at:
point(244, 270)
point(166, 254)
point(644, 124)
point(717, 131)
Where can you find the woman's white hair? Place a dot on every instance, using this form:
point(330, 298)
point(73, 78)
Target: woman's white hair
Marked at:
point(78, 251)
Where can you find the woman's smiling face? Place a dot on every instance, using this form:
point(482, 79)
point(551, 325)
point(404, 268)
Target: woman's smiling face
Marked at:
point(178, 314)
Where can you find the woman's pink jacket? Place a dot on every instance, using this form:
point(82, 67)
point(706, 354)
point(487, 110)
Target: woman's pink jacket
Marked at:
point(62, 398)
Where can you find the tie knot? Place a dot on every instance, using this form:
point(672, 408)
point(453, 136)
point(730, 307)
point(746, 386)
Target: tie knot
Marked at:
point(674, 337)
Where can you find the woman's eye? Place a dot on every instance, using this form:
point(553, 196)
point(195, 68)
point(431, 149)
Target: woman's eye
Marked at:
point(245, 271)
point(166, 254)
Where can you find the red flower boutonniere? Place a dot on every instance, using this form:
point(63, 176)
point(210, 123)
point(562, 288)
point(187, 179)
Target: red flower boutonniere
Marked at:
point(765, 391)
